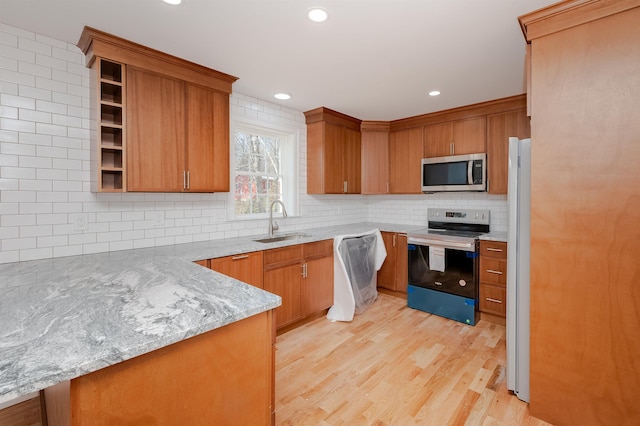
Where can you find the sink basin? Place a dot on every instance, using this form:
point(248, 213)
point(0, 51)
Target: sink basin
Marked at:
point(283, 237)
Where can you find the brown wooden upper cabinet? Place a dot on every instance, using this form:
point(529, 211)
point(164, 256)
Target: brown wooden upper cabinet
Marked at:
point(405, 155)
point(375, 157)
point(333, 152)
point(457, 137)
point(500, 127)
point(173, 135)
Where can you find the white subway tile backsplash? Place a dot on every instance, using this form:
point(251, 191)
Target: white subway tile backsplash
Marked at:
point(35, 139)
point(8, 39)
point(34, 69)
point(36, 93)
point(17, 101)
point(9, 64)
point(30, 45)
point(31, 115)
point(43, 105)
point(16, 78)
point(17, 53)
point(51, 62)
point(35, 231)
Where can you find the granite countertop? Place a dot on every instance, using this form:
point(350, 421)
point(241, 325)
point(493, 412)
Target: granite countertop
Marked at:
point(495, 236)
point(65, 317)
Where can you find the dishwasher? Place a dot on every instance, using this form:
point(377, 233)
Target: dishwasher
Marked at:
point(356, 264)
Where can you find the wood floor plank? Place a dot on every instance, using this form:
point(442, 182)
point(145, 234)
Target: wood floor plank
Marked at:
point(393, 365)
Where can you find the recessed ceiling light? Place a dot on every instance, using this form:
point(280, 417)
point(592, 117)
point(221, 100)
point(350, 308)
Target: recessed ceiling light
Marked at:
point(174, 2)
point(434, 93)
point(282, 96)
point(317, 15)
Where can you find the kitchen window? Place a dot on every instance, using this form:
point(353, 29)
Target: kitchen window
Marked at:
point(263, 170)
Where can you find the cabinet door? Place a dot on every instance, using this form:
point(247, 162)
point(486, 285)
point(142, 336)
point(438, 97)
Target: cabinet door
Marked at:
point(245, 267)
point(285, 282)
point(438, 139)
point(317, 285)
point(207, 139)
point(351, 164)
point(375, 162)
point(499, 128)
point(469, 136)
point(333, 159)
point(282, 275)
point(155, 132)
point(405, 156)
point(387, 273)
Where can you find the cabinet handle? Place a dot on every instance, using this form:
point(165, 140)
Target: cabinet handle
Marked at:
point(242, 256)
point(452, 148)
point(304, 270)
point(188, 179)
point(491, 271)
point(494, 249)
point(344, 186)
point(184, 179)
point(387, 187)
point(394, 239)
point(489, 299)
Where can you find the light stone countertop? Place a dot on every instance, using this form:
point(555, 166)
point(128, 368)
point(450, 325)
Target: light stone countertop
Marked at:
point(495, 236)
point(65, 317)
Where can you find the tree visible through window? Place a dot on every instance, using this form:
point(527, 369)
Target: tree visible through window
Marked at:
point(258, 172)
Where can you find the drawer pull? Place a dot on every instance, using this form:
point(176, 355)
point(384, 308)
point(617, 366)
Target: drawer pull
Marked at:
point(243, 256)
point(489, 299)
point(491, 271)
point(494, 249)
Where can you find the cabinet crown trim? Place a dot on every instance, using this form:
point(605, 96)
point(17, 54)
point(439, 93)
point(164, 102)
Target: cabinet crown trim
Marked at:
point(95, 43)
point(570, 13)
point(331, 116)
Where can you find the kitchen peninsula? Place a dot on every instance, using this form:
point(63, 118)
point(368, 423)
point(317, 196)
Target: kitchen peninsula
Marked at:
point(91, 318)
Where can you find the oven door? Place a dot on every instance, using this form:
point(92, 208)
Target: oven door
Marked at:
point(458, 275)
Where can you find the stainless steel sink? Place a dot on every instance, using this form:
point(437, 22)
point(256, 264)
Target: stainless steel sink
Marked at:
point(283, 237)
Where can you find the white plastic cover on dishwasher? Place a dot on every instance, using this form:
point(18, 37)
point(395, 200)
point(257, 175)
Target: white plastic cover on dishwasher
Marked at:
point(356, 260)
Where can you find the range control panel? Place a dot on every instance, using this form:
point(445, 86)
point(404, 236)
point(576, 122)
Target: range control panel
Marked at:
point(459, 216)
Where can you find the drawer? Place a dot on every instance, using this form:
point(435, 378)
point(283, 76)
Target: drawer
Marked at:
point(277, 258)
point(245, 267)
point(317, 249)
point(493, 271)
point(494, 249)
point(493, 300)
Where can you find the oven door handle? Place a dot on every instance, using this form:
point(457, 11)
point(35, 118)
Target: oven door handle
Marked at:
point(454, 245)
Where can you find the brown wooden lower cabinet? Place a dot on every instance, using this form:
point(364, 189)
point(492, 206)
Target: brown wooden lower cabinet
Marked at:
point(493, 277)
point(393, 275)
point(302, 275)
point(224, 376)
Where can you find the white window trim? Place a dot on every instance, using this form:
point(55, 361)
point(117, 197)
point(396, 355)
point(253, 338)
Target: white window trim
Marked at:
point(290, 136)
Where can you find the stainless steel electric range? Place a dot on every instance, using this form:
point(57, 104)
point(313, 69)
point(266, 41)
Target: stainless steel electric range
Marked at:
point(443, 264)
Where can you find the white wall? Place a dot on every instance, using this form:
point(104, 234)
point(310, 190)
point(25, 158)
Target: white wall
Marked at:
point(44, 171)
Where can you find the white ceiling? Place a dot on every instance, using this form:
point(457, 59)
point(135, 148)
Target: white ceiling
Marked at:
point(372, 59)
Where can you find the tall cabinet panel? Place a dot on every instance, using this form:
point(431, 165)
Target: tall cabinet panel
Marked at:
point(499, 128)
point(156, 142)
point(405, 156)
point(585, 303)
point(375, 157)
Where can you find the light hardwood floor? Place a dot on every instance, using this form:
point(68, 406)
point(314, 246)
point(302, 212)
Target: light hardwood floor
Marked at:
point(393, 365)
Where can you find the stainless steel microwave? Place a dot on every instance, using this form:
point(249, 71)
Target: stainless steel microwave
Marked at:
point(455, 173)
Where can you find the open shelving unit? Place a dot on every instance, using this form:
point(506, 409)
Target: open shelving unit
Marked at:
point(111, 125)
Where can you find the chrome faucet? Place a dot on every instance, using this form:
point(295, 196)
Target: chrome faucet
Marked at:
point(273, 225)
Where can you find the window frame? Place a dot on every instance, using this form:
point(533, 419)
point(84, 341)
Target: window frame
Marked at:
point(289, 138)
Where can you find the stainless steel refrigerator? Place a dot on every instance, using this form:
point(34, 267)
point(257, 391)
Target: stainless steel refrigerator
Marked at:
point(518, 259)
